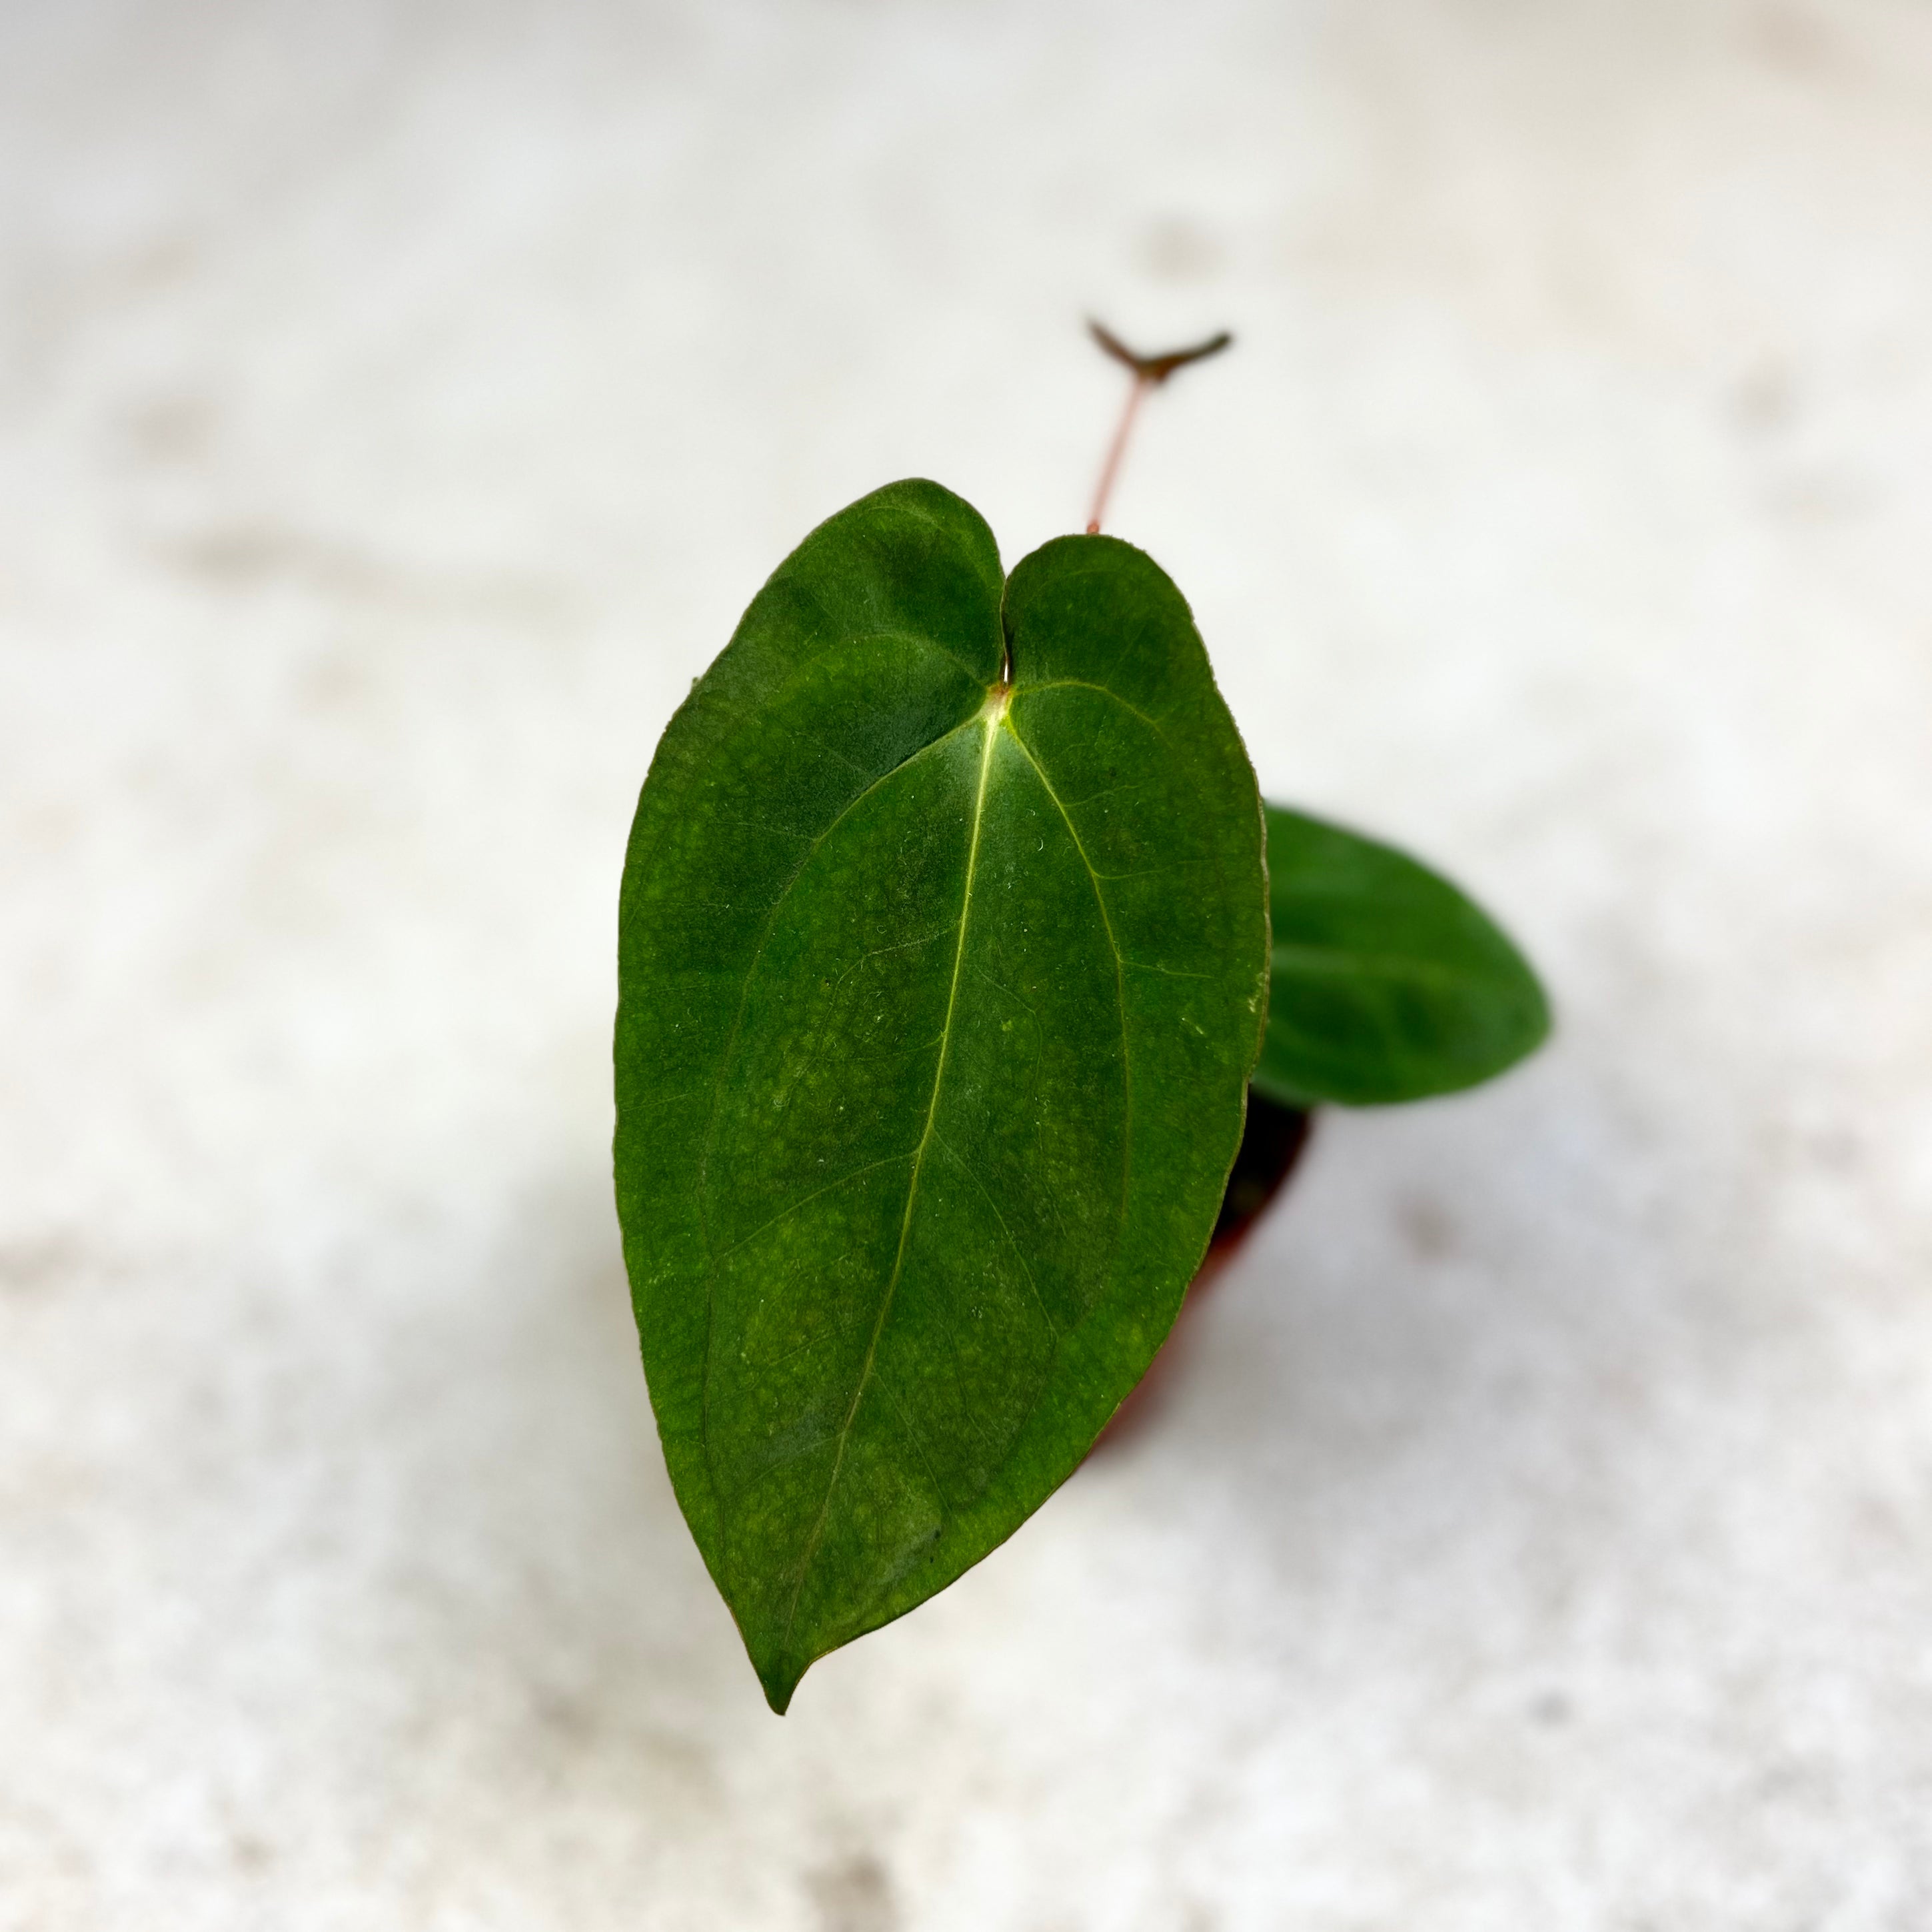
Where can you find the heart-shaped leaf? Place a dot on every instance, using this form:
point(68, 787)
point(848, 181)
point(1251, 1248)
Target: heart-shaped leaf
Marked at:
point(942, 970)
point(1387, 984)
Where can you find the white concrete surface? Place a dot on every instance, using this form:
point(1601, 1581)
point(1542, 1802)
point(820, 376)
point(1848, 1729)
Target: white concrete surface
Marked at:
point(397, 406)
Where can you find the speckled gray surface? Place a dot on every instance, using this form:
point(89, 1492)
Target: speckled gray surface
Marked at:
point(397, 407)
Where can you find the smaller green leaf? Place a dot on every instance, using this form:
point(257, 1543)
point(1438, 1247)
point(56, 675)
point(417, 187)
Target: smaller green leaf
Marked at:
point(1387, 984)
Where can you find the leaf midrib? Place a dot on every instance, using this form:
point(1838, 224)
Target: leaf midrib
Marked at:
point(1297, 957)
point(992, 727)
point(712, 1256)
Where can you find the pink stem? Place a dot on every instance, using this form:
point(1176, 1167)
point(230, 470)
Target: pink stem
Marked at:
point(1141, 386)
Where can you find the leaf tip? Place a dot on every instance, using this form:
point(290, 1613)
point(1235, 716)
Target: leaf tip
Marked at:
point(780, 1679)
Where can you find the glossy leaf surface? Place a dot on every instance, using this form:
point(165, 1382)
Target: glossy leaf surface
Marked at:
point(938, 998)
point(1386, 983)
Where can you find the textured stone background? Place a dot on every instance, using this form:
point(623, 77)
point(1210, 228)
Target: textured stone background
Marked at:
point(397, 405)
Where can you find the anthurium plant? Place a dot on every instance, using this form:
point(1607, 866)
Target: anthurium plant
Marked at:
point(953, 933)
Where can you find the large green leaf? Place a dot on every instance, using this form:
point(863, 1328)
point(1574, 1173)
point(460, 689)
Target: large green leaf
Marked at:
point(1387, 984)
point(938, 998)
